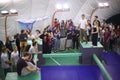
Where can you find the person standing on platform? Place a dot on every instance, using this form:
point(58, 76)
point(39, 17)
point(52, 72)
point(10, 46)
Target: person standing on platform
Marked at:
point(62, 38)
point(96, 21)
point(83, 26)
point(95, 31)
point(89, 29)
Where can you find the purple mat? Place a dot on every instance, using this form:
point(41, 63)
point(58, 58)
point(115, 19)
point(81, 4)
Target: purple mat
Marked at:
point(114, 71)
point(71, 73)
point(111, 58)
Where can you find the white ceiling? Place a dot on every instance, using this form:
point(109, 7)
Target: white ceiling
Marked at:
point(31, 9)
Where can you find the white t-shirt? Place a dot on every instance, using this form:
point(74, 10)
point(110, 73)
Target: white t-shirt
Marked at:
point(88, 28)
point(15, 56)
point(37, 35)
point(32, 50)
point(31, 37)
point(4, 58)
point(83, 23)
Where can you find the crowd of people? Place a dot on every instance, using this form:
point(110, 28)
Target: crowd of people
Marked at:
point(62, 35)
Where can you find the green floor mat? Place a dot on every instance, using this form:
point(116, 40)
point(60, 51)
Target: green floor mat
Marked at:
point(2, 76)
point(62, 61)
point(32, 76)
point(67, 57)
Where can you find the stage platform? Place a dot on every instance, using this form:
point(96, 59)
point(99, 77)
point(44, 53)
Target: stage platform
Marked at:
point(88, 50)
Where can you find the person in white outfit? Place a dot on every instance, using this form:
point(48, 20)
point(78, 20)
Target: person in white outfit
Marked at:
point(15, 57)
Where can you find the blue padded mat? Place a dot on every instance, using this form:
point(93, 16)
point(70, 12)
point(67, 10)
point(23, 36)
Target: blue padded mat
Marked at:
point(71, 73)
point(111, 58)
point(114, 71)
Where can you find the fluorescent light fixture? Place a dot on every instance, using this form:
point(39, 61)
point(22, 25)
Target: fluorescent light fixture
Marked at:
point(4, 12)
point(4, 1)
point(13, 11)
point(100, 4)
point(65, 6)
point(106, 4)
point(59, 6)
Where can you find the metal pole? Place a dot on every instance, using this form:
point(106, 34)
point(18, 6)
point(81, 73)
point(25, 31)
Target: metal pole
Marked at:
point(6, 27)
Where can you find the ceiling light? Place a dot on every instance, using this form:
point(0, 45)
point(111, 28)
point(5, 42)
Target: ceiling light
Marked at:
point(65, 6)
point(59, 6)
point(13, 11)
point(4, 12)
point(100, 4)
point(4, 1)
point(106, 4)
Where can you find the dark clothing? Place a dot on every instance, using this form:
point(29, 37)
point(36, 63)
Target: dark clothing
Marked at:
point(94, 37)
point(23, 37)
point(98, 22)
point(69, 36)
point(106, 40)
point(106, 36)
point(46, 47)
point(8, 45)
point(20, 65)
point(75, 36)
point(1, 45)
point(6, 71)
point(63, 33)
point(18, 44)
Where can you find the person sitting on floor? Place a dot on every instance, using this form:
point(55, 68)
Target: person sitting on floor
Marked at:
point(24, 67)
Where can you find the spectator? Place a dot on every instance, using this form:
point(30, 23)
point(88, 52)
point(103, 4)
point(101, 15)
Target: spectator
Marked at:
point(24, 67)
point(5, 61)
point(14, 57)
point(106, 39)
